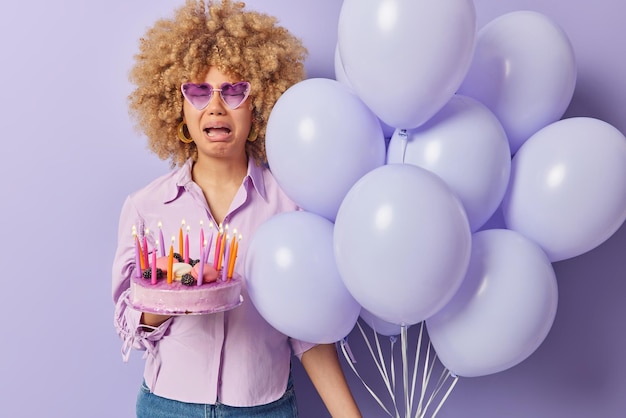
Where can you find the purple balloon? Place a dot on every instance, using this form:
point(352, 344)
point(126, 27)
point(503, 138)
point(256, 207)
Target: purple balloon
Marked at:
point(568, 187)
point(405, 59)
point(524, 70)
point(378, 325)
point(465, 145)
point(503, 310)
point(402, 243)
point(340, 75)
point(293, 281)
point(321, 138)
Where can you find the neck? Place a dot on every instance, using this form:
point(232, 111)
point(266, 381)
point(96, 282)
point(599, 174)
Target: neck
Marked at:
point(219, 170)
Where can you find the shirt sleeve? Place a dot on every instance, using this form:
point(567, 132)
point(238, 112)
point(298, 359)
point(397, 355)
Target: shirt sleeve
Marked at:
point(126, 319)
point(128, 326)
point(300, 347)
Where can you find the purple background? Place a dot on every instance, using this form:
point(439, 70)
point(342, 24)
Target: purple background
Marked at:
point(71, 155)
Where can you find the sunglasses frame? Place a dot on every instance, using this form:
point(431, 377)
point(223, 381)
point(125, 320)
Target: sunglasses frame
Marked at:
point(213, 90)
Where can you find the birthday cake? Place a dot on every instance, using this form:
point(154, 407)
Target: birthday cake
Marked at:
point(178, 285)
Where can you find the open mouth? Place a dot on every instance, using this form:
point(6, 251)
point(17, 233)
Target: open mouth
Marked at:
point(215, 131)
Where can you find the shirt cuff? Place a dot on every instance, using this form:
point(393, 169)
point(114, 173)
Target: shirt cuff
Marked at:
point(133, 333)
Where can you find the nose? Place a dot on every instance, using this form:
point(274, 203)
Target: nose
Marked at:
point(216, 106)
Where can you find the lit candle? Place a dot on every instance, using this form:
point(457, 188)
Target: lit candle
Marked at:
point(170, 263)
point(202, 242)
point(218, 243)
point(233, 257)
point(201, 269)
point(228, 253)
point(180, 239)
point(222, 249)
point(226, 258)
point(137, 253)
point(142, 259)
point(186, 256)
point(154, 267)
point(161, 240)
point(145, 249)
point(232, 242)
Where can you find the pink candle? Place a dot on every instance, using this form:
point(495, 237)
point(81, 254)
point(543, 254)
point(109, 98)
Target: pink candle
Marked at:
point(145, 248)
point(161, 240)
point(201, 238)
point(186, 256)
point(154, 267)
point(201, 269)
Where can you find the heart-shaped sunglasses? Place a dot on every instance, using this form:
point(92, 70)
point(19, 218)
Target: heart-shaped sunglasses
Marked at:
point(199, 95)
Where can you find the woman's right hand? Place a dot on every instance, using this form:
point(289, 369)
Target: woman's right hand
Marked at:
point(153, 320)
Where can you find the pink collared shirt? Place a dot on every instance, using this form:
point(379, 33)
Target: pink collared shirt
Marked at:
point(236, 357)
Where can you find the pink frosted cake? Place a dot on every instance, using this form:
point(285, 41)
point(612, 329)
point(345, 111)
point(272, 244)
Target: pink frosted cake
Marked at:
point(177, 298)
point(175, 284)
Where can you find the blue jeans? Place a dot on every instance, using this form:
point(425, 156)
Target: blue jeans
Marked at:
point(150, 405)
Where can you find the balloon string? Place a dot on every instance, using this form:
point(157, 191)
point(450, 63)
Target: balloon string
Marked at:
point(379, 366)
point(445, 375)
point(382, 360)
point(392, 367)
point(404, 139)
point(405, 371)
point(445, 397)
point(422, 411)
point(347, 357)
point(392, 340)
point(418, 350)
point(440, 382)
point(428, 367)
point(429, 361)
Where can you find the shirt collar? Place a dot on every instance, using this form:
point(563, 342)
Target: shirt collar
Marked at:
point(255, 174)
point(183, 177)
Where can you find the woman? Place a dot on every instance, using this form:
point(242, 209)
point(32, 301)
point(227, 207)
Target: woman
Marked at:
point(206, 82)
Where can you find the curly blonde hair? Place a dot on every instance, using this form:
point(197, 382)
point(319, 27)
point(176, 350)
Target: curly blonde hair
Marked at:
point(245, 44)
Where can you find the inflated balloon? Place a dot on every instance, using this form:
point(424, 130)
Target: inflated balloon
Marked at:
point(503, 310)
point(524, 70)
point(465, 145)
point(320, 139)
point(293, 281)
point(340, 72)
point(406, 58)
point(381, 327)
point(402, 243)
point(568, 187)
point(340, 75)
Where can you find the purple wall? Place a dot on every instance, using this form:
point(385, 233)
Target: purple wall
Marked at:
point(64, 68)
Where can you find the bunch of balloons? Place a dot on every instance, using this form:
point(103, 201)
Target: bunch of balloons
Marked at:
point(473, 123)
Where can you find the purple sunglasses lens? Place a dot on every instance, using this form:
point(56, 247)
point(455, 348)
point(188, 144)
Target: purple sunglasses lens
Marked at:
point(199, 95)
point(235, 94)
